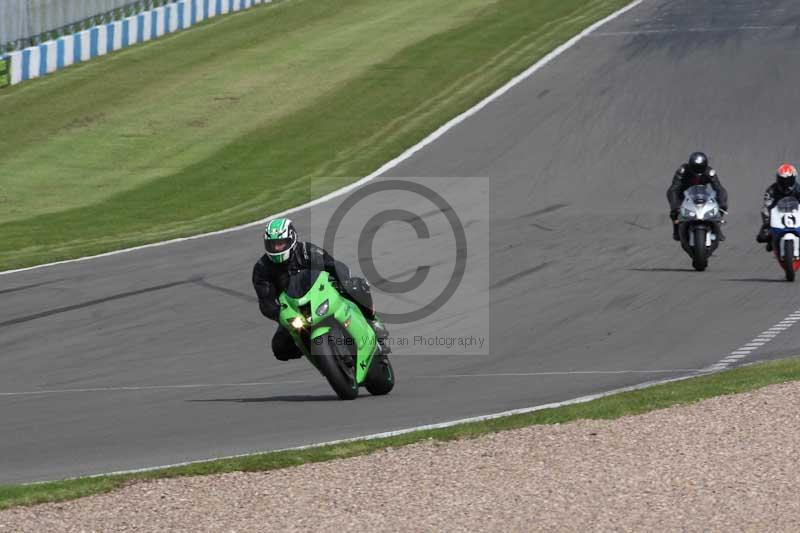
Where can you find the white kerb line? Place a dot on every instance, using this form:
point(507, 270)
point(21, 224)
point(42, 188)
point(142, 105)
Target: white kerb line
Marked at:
point(757, 343)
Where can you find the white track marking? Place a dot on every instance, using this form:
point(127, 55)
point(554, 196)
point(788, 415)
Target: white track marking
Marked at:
point(757, 343)
point(135, 388)
point(150, 387)
point(442, 425)
point(452, 123)
point(565, 373)
point(691, 30)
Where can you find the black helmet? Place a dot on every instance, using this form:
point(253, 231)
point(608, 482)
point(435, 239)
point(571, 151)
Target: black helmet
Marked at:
point(786, 177)
point(698, 163)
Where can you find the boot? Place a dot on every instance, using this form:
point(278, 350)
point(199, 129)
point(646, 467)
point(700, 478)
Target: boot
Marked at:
point(763, 237)
point(720, 235)
point(675, 235)
point(381, 333)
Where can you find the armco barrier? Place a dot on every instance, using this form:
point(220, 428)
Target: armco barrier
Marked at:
point(50, 56)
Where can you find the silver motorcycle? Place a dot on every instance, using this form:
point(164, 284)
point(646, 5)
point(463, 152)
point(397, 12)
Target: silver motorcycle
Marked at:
point(698, 224)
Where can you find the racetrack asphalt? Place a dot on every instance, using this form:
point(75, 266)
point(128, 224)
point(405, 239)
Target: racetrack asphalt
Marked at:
point(159, 356)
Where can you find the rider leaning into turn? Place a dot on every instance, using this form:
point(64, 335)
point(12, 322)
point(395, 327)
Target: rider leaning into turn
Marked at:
point(696, 172)
point(785, 185)
point(285, 255)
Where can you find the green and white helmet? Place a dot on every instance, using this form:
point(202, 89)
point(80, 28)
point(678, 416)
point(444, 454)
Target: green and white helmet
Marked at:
point(280, 238)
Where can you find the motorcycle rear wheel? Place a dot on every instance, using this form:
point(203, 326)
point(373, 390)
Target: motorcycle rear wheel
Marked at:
point(380, 378)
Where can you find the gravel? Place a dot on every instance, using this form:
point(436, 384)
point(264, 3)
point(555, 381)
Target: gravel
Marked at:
point(725, 464)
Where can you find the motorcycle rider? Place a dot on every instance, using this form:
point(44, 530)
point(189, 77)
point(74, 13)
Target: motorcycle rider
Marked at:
point(285, 254)
point(785, 185)
point(696, 172)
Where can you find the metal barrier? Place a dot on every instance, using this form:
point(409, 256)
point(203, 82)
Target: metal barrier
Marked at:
point(39, 60)
point(25, 23)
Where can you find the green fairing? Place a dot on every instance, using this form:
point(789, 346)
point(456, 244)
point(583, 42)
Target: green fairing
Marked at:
point(340, 311)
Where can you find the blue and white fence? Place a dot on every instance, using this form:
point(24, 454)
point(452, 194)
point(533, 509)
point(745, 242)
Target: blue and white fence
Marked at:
point(50, 56)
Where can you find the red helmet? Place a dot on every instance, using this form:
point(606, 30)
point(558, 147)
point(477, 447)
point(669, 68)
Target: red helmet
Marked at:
point(786, 177)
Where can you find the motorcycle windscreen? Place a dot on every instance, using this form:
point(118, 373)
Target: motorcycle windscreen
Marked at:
point(301, 282)
point(790, 204)
point(699, 194)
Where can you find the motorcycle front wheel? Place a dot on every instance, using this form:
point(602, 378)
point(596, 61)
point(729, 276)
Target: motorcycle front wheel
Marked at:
point(699, 250)
point(336, 364)
point(788, 260)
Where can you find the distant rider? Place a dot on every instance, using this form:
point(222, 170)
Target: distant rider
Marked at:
point(286, 254)
point(785, 185)
point(696, 172)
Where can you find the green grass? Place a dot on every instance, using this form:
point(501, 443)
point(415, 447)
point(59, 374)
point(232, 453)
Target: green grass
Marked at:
point(232, 120)
point(629, 403)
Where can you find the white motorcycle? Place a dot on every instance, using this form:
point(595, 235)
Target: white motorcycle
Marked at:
point(784, 221)
point(698, 224)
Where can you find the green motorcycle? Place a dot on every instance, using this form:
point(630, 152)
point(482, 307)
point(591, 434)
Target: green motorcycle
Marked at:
point(334, 335)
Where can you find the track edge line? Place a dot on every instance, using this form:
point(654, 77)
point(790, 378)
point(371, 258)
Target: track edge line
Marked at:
point(399, 432)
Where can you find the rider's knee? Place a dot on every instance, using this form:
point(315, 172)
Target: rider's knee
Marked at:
point(284, 348)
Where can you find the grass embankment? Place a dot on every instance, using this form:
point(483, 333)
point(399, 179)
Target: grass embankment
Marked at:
point(231, 120)
point(629, 403)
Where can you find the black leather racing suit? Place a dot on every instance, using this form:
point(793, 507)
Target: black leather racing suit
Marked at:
point(685, 178)
point(271, 279)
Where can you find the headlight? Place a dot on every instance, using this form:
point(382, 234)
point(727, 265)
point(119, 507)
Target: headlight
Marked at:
point(711, 212)
point(685, 213)
point(322, 310)
point(298, 322)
